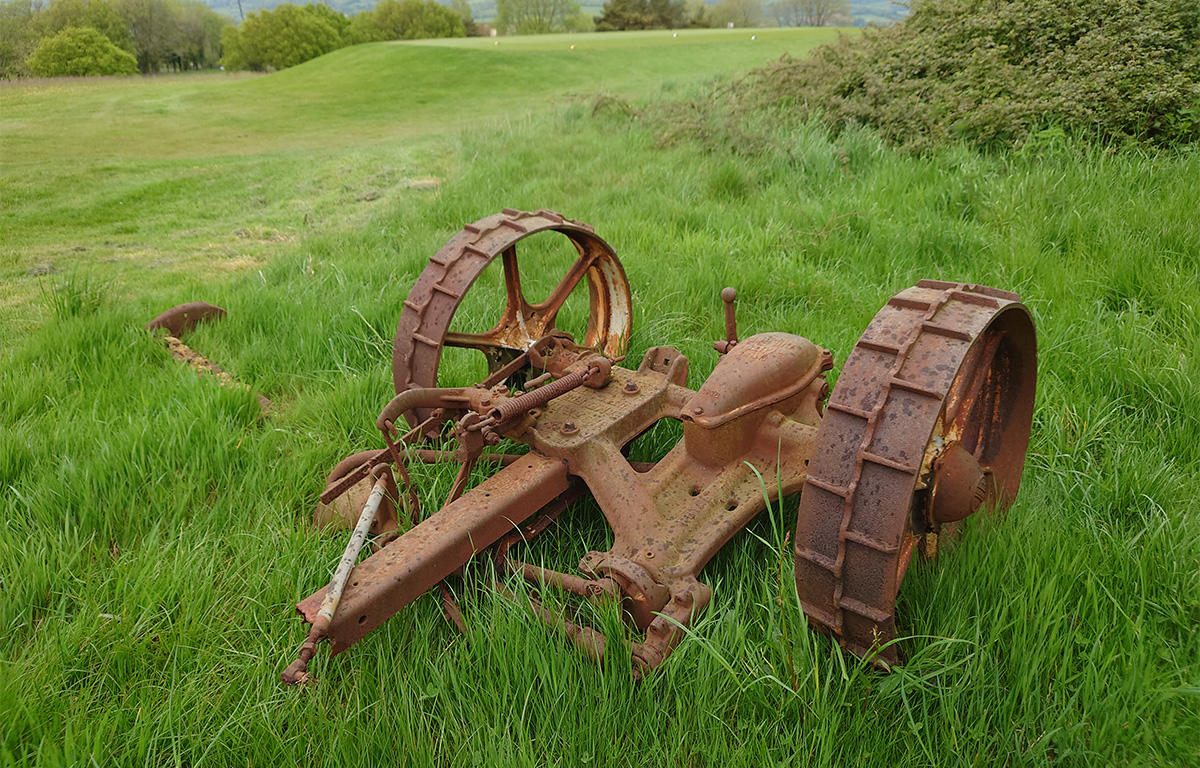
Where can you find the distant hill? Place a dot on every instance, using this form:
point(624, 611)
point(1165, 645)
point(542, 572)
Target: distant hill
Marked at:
point(863, 11)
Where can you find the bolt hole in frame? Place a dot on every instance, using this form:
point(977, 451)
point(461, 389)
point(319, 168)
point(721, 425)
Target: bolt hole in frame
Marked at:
point(932, 408)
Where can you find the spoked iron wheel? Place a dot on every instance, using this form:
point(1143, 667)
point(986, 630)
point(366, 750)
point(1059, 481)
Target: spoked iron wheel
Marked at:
point(424, 327)
point(928, 423)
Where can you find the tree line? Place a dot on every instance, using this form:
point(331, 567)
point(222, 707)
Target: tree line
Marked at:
point(536, 16)
point(107, 37)
point(290, 34)
point(114, 37)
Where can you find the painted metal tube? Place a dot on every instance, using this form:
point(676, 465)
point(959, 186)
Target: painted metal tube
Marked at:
point(338, 583)
point(297, 671)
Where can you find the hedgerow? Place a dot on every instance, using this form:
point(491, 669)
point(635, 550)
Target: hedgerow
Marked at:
point(992, 72)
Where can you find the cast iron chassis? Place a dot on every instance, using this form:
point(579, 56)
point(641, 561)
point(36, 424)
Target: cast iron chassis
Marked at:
point(929, 422)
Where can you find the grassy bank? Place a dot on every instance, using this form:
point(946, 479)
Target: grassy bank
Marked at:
point(154, 533)
point(153, 181)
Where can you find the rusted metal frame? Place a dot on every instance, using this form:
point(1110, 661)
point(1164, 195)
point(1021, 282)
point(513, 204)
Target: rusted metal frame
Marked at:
point(583, 636)
point(507, 409)
point(755, 418)
point(437, 547)
point(656, 570)
point(674, 561)
point(655, 405)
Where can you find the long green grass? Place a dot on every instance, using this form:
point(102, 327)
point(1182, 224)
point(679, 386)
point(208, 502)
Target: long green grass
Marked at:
point(155, 531)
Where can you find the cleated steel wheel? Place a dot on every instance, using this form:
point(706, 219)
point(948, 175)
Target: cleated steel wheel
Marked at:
point(928, 423)
point(424, 326)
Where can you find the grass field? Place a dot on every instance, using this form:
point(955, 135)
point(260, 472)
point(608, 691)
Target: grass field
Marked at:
point(155, 534)
point(153, 181)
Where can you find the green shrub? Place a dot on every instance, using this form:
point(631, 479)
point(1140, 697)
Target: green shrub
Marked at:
point(990, 72)
point(80, 51)
point(417, 20)
point(283, 37)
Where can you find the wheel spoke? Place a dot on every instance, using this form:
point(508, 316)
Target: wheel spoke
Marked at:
point(548, 309)
point(484, 342)
point(494, 349)
point(516, 306)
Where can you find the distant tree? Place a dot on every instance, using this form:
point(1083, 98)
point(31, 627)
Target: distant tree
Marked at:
point(417, 20)
point(181, 34)
point(96, 14)
point(529, 17)
point(197, 44)
point(336, 19)
point(154, 26)
point(740, 13)
point(697, 14)
point(17, 39)
point(787, 13)
point(809, 13)
point(79, 52)
point(363, 29)
point(233, 56)
point(642, 14)
point(276, 39)
point(580, 21)
point(463, 9)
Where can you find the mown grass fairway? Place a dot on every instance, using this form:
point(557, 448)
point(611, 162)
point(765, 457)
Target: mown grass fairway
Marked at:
point(153, 181)
point(155, 532)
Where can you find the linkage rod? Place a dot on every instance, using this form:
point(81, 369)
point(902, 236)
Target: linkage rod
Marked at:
point(542, 395)
point(297, 671)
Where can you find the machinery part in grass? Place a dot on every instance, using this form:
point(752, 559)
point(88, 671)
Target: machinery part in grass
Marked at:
point(424, 326)
point(343, 510)
point(757, 413)
point(182, 318)
point(729, 298)
point(297, 671)
point(348, 485)
point(539, 397)
point(439, 546)
point(928, 423)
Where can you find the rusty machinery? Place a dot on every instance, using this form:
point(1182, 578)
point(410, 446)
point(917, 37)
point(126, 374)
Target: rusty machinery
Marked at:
point(928, 423)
